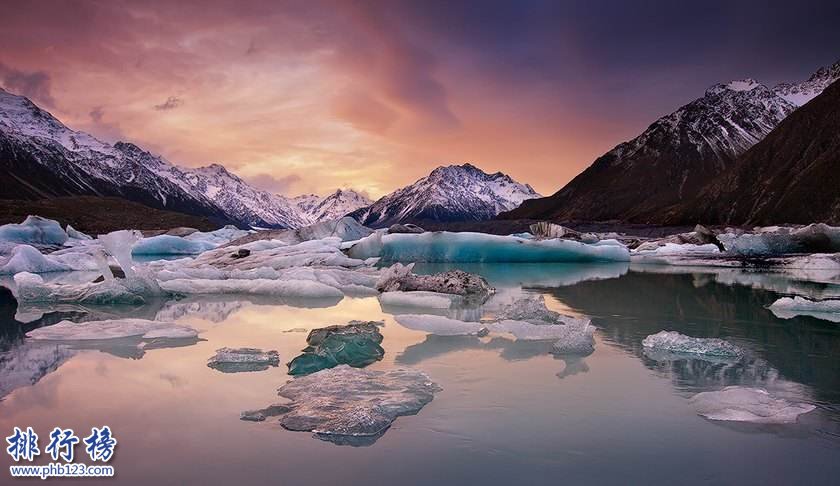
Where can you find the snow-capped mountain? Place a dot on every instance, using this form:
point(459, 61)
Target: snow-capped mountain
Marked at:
point(677, 155)
point(41, 157)
point(340, 203)
point(450, 193)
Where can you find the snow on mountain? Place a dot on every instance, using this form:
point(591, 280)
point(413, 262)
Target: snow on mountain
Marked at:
point(801, 93)
point(450, 193)
point(677, 155)
point(340, 203)
point(41, 157)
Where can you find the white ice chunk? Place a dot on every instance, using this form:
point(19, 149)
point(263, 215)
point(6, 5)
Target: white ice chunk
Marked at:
point(439, 325)
point(675, 342)
point(745, 404)
point(34, 230)
point(432, 300)
point(787, 308)
point(479, 247)
point(119, 244)
point(112, 329)
point(670, 253)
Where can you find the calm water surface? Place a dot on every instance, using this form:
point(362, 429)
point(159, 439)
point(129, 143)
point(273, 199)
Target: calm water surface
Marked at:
point(509, 412)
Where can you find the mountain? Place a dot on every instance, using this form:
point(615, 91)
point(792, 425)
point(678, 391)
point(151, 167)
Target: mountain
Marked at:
point(676, 156)
point(42, 158)
point(792, 176)
point(450, 193)
point(340, 203)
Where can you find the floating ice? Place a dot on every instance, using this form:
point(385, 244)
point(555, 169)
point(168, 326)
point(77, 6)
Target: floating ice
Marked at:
point(787, 308)
point(479, 247)
point(431, 300)
point(31, 288)
point(34, 230)
point(814, 238)
point(236, 360)
point(171, 245)
point(112, 329)
point(678, 343)
point(575, 339)
point(526, 331)
point(355, 344)
point(440, 326)
point(218, 237)
point(672, 253)
point(745, 404)
point(531, 309)
point(305, 289)
point(458, 282)
point(324, 253)
point(353, 406)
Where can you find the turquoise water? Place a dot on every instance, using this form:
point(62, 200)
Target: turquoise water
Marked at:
point(509, 412)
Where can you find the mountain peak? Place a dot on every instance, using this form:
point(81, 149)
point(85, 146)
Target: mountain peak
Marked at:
point(449, 193)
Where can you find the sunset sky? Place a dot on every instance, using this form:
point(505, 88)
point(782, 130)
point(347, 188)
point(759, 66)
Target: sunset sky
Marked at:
point(310, 96)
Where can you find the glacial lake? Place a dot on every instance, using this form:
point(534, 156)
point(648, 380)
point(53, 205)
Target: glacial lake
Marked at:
point(509, 411)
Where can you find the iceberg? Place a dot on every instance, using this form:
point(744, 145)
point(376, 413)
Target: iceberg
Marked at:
point(678, 343)
point(788, 308)
point(745, 404)
point(112, 329)
point(775, 240)
point(34, 230)
point(575, 340)
point(171, 245)
point(237, 360)
point(441, 326)
point(480, 247)
point(118, 244)
point(526, 331)
point(430, 300)
point(350, 406)
point(355, 344)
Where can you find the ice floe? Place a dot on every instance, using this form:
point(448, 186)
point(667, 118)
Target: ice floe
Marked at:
point(789, 307)
point(421, 299)
point(112, 329)
point(356, 344)
point(351, 406)
point(440, 326)
point(746, 404)
point(32, 288)
point(238, 360)
point(675, 342)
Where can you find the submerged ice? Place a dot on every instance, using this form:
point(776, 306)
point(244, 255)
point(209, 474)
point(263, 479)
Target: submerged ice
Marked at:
point(238, 360)
point(356, 344)
point(746, 404)
point(354, 406)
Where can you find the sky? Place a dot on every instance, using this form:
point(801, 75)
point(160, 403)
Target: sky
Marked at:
point(309, 96)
